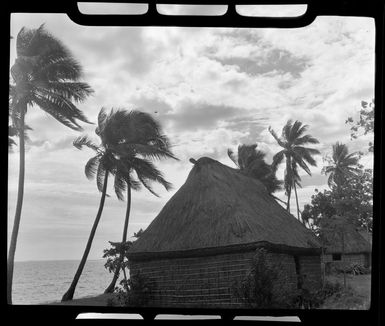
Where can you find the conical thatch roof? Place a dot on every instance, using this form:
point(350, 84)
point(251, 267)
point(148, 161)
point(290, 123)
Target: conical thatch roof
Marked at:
point(353, 241)
point(218, 207)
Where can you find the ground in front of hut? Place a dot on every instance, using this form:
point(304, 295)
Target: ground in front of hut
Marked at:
point(355, 296)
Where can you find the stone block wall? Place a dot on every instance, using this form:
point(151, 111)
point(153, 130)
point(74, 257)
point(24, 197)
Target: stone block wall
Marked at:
point(209, 281)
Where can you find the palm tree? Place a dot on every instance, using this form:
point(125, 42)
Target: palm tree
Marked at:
point(128, 140)
point(342, 165)
point(292, 141)
point(251, 162)
point(140, 141)
point(44, 75)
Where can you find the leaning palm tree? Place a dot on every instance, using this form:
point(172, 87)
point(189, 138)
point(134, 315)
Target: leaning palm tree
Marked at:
point(128, 140)
point(251, 162)
point(292, 141)
point(44, 75)
point(342, 165)
point(140, 140)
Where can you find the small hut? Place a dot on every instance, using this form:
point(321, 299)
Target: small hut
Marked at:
point(205, 237)
point(346, 247)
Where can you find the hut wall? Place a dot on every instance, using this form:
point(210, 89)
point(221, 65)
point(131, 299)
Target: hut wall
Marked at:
point(310, 267)
point(208, 281)
point(347, 259)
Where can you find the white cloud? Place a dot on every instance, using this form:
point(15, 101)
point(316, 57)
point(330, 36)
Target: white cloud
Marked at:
point(242, 80)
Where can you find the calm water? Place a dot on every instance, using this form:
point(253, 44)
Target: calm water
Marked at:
point(37, 282)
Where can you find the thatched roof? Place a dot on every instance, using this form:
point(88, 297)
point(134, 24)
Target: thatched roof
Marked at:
point(218, 207)
point(353, 241)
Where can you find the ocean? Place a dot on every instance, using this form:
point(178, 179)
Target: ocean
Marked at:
point(39, 282)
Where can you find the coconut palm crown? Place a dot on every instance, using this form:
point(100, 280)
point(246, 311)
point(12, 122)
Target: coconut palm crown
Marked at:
point(129, 141)
point(342, 165)
point(45, 74)
point(294, 152)
point(251, 162)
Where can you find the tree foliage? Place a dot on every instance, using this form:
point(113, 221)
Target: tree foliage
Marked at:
point(130, 140)
point(251, 162)
point(293, 141)
point(365, 124)
point(342, 165)
point(354, 201)
point(46, 75)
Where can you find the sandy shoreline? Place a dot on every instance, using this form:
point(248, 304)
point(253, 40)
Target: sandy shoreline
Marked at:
point(99, 300)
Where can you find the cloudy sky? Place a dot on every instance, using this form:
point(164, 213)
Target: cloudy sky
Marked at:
point(211, 89)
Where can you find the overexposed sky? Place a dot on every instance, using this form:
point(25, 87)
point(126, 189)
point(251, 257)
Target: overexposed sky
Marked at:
point(211, 89)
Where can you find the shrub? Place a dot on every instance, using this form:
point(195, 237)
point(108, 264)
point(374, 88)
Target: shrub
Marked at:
point(317, 298)
point(357, 269)
point(257, 289)
point(136, 291)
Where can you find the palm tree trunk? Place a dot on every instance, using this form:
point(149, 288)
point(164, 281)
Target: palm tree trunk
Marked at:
point(111, 287)
point(296, 198)
point(343, 255)
point(70, 292)
point(288, 200)
point(290, 181)
point(20, 196)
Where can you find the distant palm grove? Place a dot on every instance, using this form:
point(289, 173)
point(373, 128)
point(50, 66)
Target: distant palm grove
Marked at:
point(46, 76)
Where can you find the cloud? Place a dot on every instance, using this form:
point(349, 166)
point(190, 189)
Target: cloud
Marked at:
point(190, 116)
point(210, 88)
point(276, 61)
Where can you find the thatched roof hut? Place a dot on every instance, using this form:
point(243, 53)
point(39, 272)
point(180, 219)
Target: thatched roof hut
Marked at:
point(350, 242)
point(346, 246)
point(217, 218)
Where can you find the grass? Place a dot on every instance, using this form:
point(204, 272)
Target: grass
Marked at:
point(356, 295)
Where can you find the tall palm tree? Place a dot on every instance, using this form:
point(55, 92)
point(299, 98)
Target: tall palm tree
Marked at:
point(292, 141)
point(44, 75)
point(140, 140)
point(251, 162)
point(128, 140)
point(342, 165)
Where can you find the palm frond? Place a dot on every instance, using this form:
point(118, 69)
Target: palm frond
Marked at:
point(59, 103)
point(301, 130)
point(277, 160)
point(133, 184)
point(232, 157)
point(102, 116)
point(147, 185)
point(307, 139)
point(146, 170)
point(91, 167)
point(274, 134)
point(286, 130)
point(294, 131)
point(58, 68)
point(306, 154)
point(85, 141)
point(298, 159)
point(73, 91)
point(147, 151)
point(100, 174)
point(120, 185)
point(51, 109)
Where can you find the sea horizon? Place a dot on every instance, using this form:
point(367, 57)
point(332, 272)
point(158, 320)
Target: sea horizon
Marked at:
point(48, 260)
point(45, 281)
